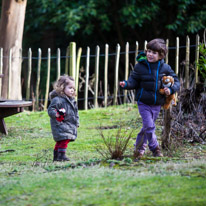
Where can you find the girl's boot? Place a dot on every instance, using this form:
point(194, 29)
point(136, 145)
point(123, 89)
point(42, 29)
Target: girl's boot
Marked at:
point(62, 156)
point(55, 155)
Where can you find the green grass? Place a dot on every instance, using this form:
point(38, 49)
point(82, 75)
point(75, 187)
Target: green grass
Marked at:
point(29, 177)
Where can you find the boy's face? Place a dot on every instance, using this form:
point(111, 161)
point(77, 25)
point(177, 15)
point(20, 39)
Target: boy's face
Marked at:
point(152, 56)
point(70, 89)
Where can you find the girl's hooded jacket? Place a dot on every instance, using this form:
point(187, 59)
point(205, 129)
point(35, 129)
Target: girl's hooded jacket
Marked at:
point(66, 129)
point(146, 80)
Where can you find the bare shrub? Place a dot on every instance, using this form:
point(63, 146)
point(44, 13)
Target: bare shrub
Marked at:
point(189, 119)
point(114, 146)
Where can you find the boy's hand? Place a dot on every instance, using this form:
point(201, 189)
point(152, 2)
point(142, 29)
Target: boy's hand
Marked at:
point(122, 84)
point(167, 91)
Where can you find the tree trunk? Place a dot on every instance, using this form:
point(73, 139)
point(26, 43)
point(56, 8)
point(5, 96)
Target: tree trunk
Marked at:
point(11, 34)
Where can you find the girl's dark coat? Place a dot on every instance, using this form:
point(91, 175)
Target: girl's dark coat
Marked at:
point(67, 129)
point(146, 80)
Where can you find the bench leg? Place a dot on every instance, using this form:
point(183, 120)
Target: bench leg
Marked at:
point(3, 127)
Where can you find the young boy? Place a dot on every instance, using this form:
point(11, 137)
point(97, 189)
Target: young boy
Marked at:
point(146, 80)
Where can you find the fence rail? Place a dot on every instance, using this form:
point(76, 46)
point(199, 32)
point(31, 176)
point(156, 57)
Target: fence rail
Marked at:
point(72, 66)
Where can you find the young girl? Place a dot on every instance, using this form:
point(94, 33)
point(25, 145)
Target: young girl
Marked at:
point(64, 116)
point(146, 79)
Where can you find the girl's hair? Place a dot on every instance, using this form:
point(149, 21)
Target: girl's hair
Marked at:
point(62, 82)
point(159, 46)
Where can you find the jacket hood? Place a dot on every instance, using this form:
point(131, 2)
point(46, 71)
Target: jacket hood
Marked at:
point(141, 57)
point(53, 94)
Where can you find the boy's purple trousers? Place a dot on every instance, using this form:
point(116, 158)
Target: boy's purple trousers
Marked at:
point(149, 114)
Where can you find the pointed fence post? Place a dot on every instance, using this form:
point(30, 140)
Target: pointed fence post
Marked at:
point(67, 61)
point(197, 53)
point(136, 52)
point(38, 78)
point(106, 74)
point(29, 74)
point(72, 65)
point(79, 53)
point(86, 80)
point(58, 63)
point(177, 59)
point(126, 69)
point(166, 137)
point(167, 55)
point(20, 63)
point(116, 73)
point(1, 68)
point(48, 79)
point(9, 74)
point(177, 56)
point(145, 45)
point(96, 77)
point(187, 63)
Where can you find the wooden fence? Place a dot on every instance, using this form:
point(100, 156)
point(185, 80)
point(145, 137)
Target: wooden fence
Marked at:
point(72, 66)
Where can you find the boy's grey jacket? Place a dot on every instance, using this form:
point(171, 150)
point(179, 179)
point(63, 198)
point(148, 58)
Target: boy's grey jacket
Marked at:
point(146, 80)
point(67, 129)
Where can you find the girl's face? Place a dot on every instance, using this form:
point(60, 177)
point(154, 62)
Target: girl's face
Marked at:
point(152, 56)
point(69, 90)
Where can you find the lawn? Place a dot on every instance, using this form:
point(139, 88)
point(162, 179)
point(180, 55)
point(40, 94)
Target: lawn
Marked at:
point(28, 177)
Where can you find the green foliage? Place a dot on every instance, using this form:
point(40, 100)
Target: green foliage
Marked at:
point(133, 14)
point(186, 19)
point(202, 60)
point(86, 19)
point(74, 14)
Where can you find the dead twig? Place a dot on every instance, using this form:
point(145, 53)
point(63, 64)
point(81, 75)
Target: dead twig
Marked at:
point(8, 150)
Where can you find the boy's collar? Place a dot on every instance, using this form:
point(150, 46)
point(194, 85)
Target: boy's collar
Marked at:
point(143, 58)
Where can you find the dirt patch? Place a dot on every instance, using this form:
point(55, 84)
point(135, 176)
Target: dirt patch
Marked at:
point(107, 127)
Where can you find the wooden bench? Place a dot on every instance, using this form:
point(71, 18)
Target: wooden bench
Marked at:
point(8, 108)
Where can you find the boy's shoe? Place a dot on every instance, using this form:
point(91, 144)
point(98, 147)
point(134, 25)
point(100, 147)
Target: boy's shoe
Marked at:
point(55, 155)
point(62, 157)
point(138, 155)
point(157, 152)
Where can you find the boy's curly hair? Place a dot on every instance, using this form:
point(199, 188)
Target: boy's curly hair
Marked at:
point(159, 46)
point(62, 82)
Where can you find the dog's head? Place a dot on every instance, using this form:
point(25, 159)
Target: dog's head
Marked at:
point(167, 81)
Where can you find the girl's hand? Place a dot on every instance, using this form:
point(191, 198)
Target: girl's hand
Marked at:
point(167, 91)
point(60, 114)
point(122, 84)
